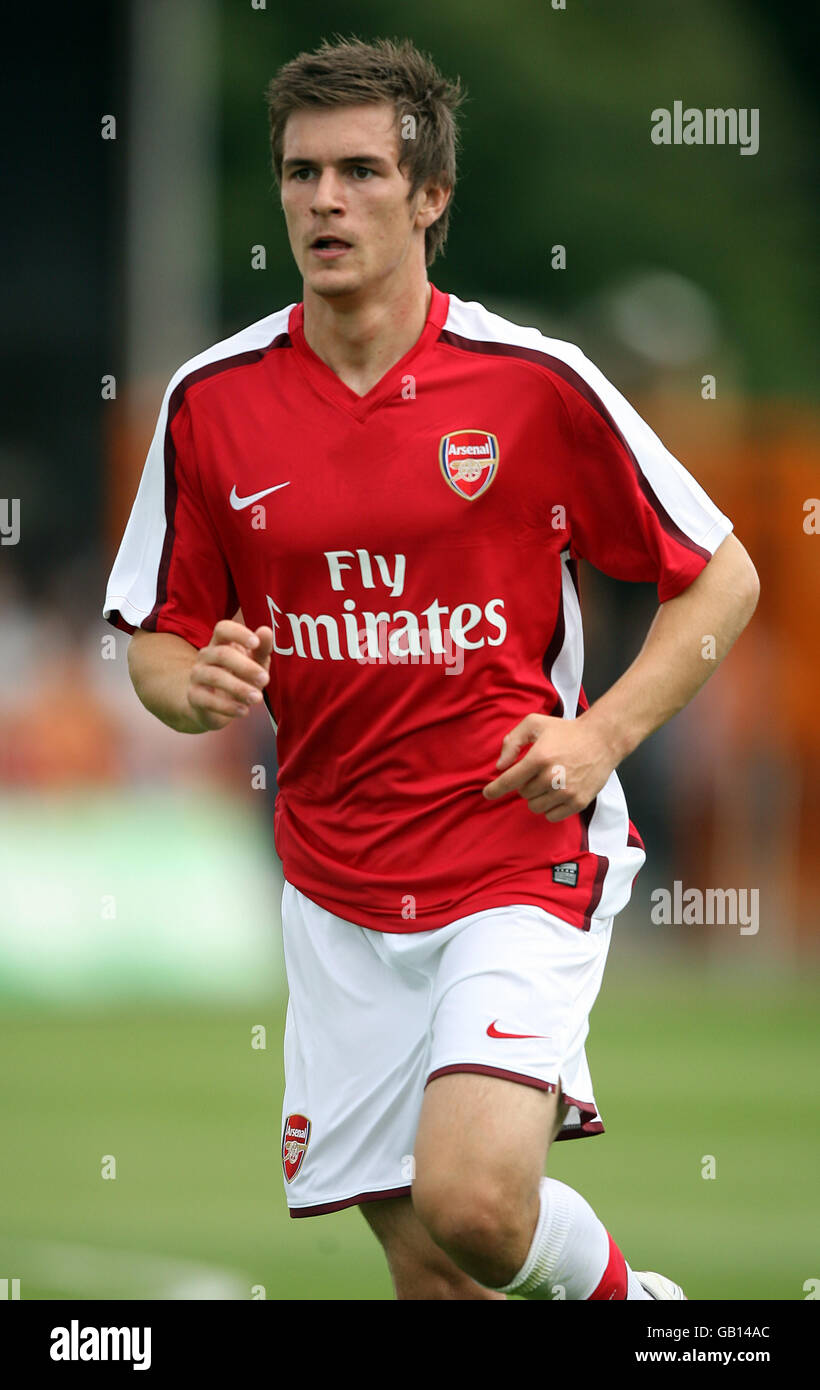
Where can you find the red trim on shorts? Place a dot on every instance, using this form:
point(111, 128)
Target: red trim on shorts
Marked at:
point(585, 1107)
point(350, 1201)
point(580, 1131)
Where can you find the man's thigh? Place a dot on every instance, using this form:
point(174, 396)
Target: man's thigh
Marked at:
point(485, 1134)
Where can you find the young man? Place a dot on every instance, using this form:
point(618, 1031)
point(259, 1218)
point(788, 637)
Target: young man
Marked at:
point(394, 487)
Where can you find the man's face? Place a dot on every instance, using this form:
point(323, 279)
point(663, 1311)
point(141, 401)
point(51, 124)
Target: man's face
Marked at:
point(346, 200)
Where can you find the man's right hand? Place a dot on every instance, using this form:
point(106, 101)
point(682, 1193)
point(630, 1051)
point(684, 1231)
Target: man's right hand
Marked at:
point(228, 676)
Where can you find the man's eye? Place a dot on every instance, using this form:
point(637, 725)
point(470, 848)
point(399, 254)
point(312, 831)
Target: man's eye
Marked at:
point(298, 172)
point(362, 169)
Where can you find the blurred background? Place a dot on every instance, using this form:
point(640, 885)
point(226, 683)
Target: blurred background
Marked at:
point(142, 991)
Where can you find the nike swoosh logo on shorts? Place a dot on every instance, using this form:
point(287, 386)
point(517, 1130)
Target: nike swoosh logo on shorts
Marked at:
point(239, 502)
point(492, 1032)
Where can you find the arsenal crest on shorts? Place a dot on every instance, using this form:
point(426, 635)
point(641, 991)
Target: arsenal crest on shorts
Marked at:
point(469, 461)
point(294, 1144)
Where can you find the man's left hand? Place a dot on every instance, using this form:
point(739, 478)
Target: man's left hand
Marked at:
point(568, 762)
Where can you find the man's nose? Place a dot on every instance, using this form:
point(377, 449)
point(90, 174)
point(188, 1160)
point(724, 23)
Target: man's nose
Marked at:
point(327, 192)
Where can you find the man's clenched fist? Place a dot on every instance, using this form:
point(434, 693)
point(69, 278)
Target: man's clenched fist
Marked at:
point(229, 674)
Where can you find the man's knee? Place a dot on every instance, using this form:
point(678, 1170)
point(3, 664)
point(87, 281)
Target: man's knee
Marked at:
point(481, 1221)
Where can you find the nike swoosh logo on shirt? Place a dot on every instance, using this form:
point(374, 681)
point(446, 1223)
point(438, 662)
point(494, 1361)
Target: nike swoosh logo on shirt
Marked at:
point(239, 502)
point(492, 1032)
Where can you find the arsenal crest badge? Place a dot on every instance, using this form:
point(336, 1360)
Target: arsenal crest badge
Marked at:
point(294, 1144)
point(469, 461)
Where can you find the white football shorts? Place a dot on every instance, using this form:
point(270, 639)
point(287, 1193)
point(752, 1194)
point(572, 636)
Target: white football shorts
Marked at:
point(374, 1016)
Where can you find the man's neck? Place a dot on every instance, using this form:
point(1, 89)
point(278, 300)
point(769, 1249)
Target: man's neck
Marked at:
point(360, 342)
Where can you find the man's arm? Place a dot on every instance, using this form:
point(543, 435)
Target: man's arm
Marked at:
point(570, 760)
point(196, 691)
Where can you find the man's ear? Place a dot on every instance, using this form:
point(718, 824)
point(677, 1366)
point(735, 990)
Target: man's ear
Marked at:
point(432, 205)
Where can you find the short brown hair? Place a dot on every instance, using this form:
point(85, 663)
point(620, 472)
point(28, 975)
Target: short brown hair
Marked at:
point(350, 72)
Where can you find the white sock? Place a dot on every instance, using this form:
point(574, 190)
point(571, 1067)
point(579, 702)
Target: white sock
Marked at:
point(572, 1254)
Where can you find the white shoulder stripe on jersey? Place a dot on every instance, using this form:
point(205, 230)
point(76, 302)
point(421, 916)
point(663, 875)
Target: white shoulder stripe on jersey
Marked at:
point(680, 495)
point(568, 666)
point(609, 824)
point(132, 584)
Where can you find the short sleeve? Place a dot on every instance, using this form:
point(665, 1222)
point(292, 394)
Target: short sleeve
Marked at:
point(170, 574)
point(636, 513)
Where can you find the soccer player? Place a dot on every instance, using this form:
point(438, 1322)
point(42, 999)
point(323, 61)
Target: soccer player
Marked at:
point(368, 509)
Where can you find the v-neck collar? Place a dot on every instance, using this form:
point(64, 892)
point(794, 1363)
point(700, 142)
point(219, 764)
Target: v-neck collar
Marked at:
point(334, 389)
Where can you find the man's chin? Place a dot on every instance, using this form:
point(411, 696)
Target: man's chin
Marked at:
point(335, 280)
point(334, 286)
point(334, 291)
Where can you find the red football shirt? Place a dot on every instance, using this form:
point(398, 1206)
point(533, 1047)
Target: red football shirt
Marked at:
point(415, 552)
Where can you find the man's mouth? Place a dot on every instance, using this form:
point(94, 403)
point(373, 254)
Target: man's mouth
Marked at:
point(328, 247)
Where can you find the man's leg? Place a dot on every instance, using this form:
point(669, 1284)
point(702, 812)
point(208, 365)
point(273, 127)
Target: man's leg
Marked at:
point(421, 1268)
point(480, 1154)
